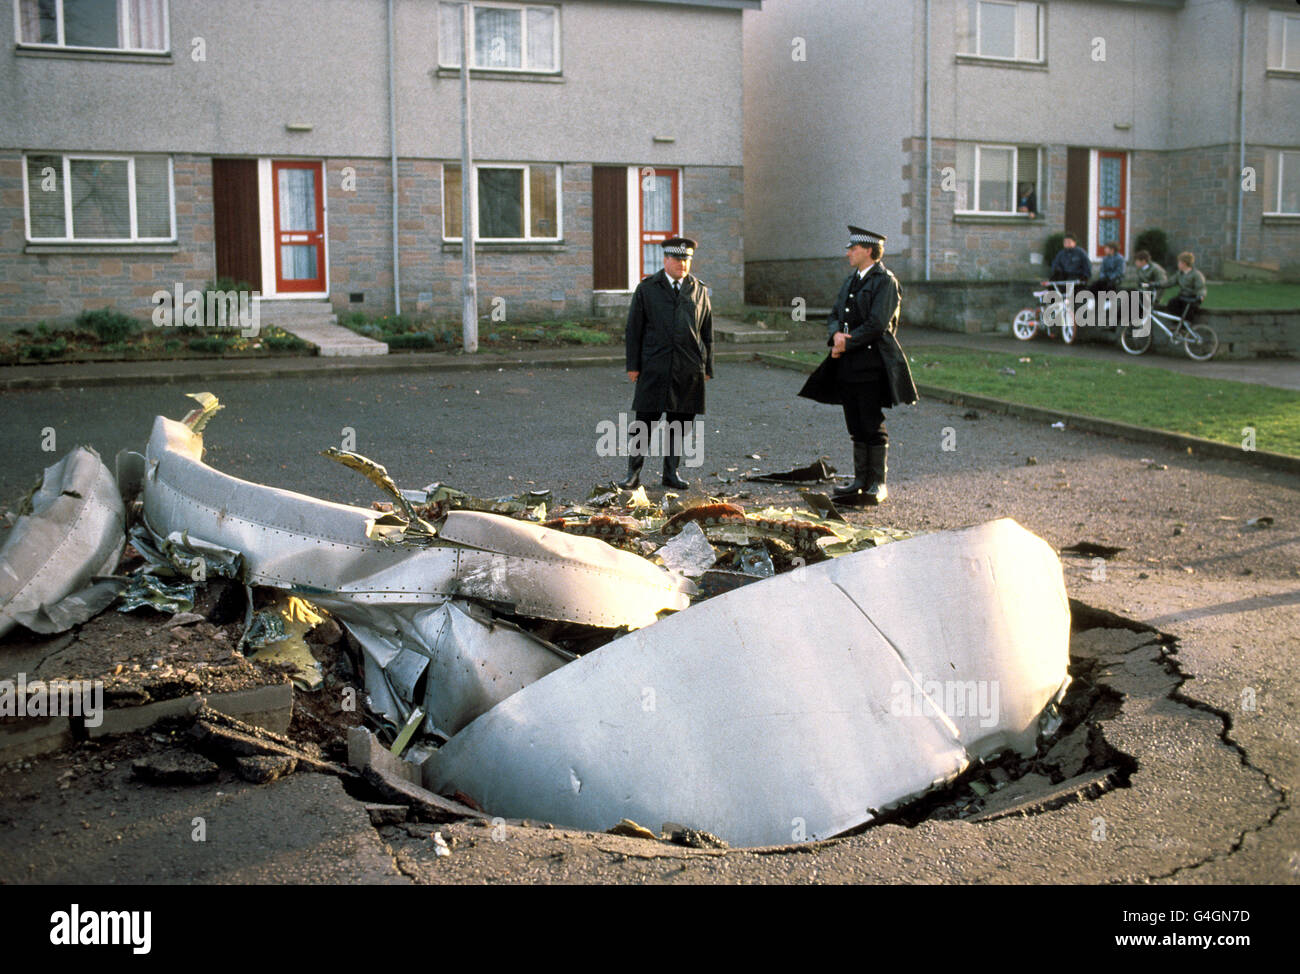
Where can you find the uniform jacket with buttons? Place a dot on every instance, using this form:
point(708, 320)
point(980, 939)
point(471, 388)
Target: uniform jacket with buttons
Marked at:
point(868, 309)
point(670, 342)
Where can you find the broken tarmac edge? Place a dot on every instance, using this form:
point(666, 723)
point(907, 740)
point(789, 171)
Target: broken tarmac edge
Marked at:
point(1194, 445)
point(269, 706)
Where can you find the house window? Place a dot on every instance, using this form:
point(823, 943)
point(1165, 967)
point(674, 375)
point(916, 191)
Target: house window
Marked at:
point(109, 25)
point(1006, 29)
point(997, 179)
point(1282, 183)
point(1283, 40)
point(507, 36)
point(101, 199)
point(514, 202)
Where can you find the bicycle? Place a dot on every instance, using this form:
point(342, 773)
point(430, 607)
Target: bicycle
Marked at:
point(1199, 342)
point(1055, 312)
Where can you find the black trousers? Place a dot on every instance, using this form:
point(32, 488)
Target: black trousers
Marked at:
point(676, 423)
point(864, 411)
point(1177, 305)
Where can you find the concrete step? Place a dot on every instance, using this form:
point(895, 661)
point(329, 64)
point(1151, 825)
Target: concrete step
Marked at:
point(332, 340)
point(274, 310)
point(729, 330)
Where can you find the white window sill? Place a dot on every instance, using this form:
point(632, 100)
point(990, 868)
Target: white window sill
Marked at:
point(1002, 62)
point(102, 247)
point(507, 246)
point(975, 216)
point(95, 54)
point(494, 74)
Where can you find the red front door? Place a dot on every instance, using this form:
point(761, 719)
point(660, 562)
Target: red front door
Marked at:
point(660, 218)
point(1112, 206)
point(299, 226)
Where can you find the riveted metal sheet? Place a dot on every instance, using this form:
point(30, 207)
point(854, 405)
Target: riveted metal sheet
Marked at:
point(290, 540)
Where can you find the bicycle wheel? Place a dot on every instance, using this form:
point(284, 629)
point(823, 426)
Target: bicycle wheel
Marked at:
point(1202, 342)
point(1069, 331)
point(1025, 324)
point(1135, 339)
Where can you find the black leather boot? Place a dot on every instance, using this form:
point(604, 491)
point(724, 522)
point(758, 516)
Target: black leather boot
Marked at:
point(670, 474)
point(851, 494)
point(633, 480)
point(877, 457)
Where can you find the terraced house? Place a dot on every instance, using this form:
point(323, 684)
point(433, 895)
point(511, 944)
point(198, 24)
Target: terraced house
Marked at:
point(970, 130)
point(311, 148)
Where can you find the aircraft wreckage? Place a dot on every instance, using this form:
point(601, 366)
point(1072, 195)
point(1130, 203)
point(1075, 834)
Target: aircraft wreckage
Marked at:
point(799, 705)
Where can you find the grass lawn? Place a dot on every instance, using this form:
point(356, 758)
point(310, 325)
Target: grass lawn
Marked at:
point(1245, 296)
point(1144, 395)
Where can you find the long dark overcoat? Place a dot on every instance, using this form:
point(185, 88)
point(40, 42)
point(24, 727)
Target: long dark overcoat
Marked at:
point(670, 342)
point(872, 352)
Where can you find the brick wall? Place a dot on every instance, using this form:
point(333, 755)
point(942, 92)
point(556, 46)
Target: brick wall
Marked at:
point(1202, 186)
point(714, 210)
point(55, 287)
point(535, 281)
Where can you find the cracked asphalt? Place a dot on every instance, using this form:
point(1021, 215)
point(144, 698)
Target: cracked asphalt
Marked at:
point(1210, 714)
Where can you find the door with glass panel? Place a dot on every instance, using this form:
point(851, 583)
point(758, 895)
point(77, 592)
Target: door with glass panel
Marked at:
point(1111, 203)
point(299, 226)
point(660, 216)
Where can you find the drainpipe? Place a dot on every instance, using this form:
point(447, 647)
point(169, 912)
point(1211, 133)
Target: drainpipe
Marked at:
point(392, 142)
point(928, 146)
point(1241, 131)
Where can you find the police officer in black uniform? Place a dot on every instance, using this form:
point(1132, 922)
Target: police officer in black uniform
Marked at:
point(669, 355)
point(866, 371)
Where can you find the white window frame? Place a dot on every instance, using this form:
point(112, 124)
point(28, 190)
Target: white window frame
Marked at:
point(66, 174)
point(527, 168)
point(523, 38)
point(977, 35)
point(1015, 182)
point(1276, 201)
point(1277, 28)
point(123, 32)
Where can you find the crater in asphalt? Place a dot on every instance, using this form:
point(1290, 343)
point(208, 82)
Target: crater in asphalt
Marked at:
point(1076, 761)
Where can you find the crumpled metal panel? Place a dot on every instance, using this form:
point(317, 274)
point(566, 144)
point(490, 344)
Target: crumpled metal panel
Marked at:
point(76, 530)
point(540, 570)
point(798, 706)
point(319, 548)
point(393, 598)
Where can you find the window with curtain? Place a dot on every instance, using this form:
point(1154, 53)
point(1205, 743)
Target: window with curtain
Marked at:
point(110, 25)
point(507, 36)
point(99, 198)
point(514, 202)
point(102, 25)
point(997, 179)
point(1007, 29)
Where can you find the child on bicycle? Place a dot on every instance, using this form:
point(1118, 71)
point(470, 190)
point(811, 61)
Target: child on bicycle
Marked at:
point(1191, 287)
point(1149, 273)
point(1112, 269)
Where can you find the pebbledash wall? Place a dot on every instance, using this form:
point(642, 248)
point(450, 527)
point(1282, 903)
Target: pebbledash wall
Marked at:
point(54, 283)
